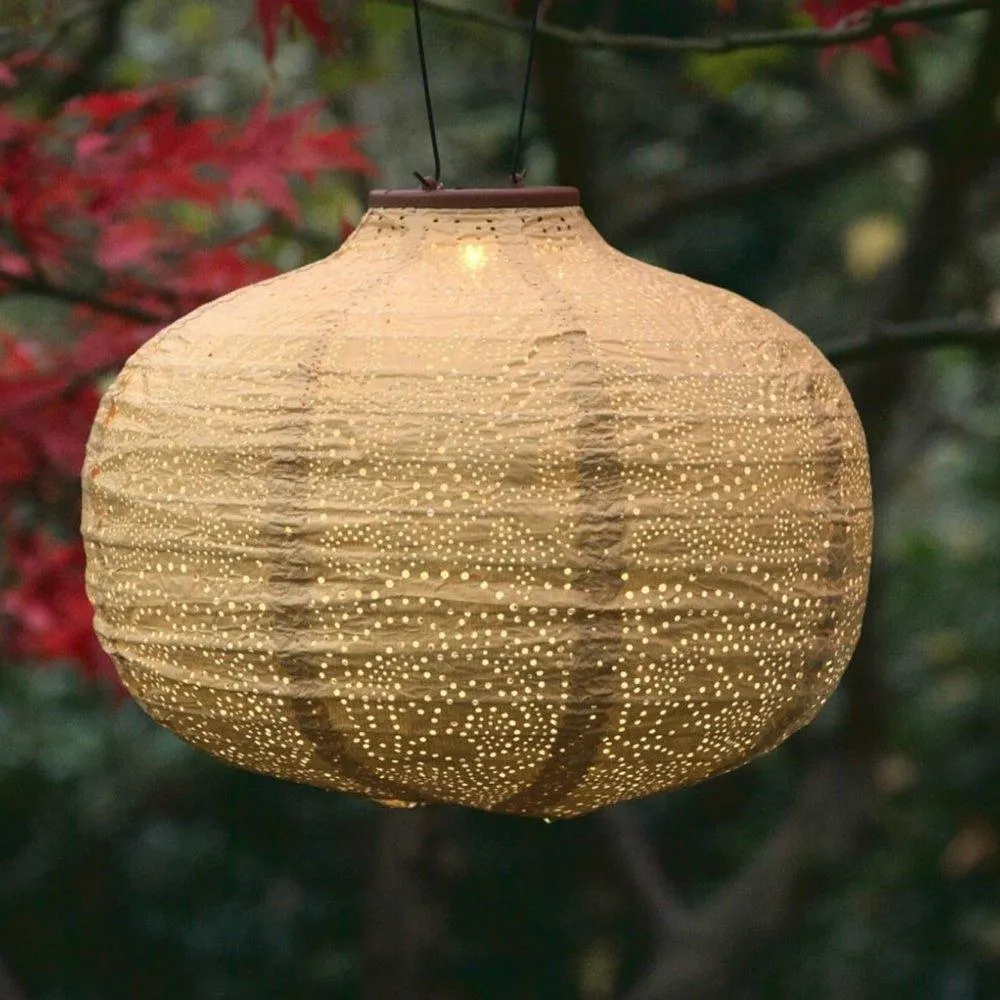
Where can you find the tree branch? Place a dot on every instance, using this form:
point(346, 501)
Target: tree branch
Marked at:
point(822, 828)
point(647, 208)
point(924, 335)
point(561, 78)
point(665, 910)
point(961, 151)
point(873, 23)
point(405, 928)
point(75, 296)
point(44, 21)
point(102, 47)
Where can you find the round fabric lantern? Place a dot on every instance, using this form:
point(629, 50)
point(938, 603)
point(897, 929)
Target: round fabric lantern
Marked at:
point(479, 510)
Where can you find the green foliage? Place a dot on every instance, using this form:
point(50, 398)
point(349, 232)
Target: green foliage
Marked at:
point(920, 914)
point(125, 850)
point(722, 75)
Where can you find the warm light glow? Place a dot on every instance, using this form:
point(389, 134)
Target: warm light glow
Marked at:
point(473, 256)
point(533, 545)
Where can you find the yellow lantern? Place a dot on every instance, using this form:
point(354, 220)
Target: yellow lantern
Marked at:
point(479, 510)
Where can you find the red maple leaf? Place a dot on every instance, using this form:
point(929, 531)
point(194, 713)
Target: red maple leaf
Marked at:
point(112, 165)
point(59, 428)
point(49, 421)
point(213, 271)
point(26, 375)
point(103, 108)
point(270, 14)
point(272, 147)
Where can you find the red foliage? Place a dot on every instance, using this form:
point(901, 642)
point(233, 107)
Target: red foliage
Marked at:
point(839, 13)
point(23, 388)
point(95, 198)
point(51, 618)
point(107, 171)
point(271, 13)
point(831, 14)
point(98, 184)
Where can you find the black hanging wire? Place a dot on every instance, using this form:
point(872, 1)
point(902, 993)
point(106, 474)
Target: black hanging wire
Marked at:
point(516, 174)
point(427, 182)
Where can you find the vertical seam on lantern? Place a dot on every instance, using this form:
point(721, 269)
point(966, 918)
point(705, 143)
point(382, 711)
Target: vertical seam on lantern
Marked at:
point(333, 747)
point(599, 534)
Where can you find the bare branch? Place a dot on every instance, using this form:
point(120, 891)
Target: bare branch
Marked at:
point(822, 829)
point(646, 209)
point(75, 296)
point(666, 912)
point(923, 335)
point(875, 22)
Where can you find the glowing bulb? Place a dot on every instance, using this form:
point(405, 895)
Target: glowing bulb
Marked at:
point(473, 256)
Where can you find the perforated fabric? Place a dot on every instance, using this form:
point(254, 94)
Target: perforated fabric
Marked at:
point(479, 510)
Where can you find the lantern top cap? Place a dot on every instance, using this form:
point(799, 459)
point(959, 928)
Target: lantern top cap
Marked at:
point(442, 198)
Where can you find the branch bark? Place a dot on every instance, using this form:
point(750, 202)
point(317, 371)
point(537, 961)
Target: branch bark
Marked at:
point(44, 22)
point(665, 911)
point(647, 209)
point(874, 23)
point(103, 46)
point(961, 151)
point(821, 830)
point(891, 339)
point(561, 84)
point(75, 296)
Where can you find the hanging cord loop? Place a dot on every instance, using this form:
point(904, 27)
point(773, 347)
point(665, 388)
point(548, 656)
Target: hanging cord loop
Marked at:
point(428, 183)
point(516, 174)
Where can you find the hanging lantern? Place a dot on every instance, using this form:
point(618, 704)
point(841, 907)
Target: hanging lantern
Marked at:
point(479, 510)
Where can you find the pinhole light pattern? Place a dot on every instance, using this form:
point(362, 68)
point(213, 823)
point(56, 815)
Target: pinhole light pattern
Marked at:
point(479, 510)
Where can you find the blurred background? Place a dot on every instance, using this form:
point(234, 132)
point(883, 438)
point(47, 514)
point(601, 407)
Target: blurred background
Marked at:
point(152, 157)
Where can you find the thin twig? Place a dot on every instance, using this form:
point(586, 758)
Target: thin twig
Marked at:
point(637, 859)
point(924, 335)
point(877, 21)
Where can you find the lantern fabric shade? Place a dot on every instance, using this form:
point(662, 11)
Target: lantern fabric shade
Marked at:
point(479, 510)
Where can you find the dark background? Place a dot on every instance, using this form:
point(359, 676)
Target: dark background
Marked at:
point(858, 860)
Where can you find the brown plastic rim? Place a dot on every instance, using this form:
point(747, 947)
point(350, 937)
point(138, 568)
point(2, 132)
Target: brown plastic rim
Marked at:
point(513, 197)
